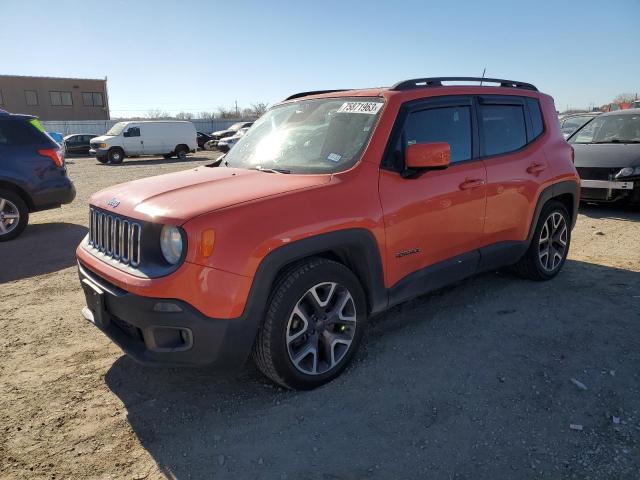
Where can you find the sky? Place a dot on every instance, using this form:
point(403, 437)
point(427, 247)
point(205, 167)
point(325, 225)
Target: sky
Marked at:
point(195, 56)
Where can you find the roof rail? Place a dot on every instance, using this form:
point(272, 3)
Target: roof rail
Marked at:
point(314, 92)
point(437, 82)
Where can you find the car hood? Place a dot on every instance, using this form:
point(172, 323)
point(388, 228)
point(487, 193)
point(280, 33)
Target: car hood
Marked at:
point(178, 197)
point(607, 155)
point(102, 138)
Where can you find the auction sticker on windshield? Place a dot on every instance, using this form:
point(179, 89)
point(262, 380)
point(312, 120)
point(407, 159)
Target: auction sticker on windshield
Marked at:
point(370, 108)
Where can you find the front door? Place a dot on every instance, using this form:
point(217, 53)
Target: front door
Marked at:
point(433, 222)
point(132, 141)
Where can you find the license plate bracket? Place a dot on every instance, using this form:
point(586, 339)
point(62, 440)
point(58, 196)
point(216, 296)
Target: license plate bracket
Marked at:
point(95, 304)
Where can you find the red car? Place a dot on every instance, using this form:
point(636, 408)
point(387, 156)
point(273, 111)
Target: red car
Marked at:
point(334, 207)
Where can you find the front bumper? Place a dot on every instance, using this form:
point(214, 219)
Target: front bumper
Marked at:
point(165, 332)
point(98, 152)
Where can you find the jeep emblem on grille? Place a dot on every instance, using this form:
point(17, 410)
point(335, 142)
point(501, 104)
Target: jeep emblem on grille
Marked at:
point(114, 202)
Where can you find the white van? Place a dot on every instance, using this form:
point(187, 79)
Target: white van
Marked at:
point(159, 137)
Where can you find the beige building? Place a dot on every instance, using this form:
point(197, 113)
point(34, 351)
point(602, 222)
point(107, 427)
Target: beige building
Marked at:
point(51, 98)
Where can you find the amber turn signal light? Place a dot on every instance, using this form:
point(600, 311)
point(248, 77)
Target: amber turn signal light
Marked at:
point(207, 239)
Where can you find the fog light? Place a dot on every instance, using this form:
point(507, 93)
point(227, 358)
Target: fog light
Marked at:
point(166, 307)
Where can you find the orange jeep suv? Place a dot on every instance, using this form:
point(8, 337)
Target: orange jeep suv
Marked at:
point(335, 206)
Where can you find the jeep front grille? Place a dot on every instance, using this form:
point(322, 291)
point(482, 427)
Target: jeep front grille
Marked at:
point(115, 237)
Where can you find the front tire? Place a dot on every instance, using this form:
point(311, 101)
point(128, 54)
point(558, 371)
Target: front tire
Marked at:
point(549, 247)
point(103, 159)
point(313, 326)
point(14, 215)
point(115, 155)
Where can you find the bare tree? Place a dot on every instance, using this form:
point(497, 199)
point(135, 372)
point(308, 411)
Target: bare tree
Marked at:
point(625, 98)
point(258, 108)
point(224, 112)
point(184, 115)
point(207, 115)
point(156, 114)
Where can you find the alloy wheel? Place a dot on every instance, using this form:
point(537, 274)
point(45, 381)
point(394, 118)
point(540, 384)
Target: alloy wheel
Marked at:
point(321, 328)
point(9, 216)
point(552, 245)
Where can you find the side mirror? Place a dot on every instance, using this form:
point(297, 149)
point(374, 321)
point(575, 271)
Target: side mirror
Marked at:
point(428, 156)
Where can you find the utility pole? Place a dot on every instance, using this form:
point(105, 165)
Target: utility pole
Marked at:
point(237, 109)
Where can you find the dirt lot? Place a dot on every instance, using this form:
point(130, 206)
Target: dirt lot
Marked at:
point(473, 382)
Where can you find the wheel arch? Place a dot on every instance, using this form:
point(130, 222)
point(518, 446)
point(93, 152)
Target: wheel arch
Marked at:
point(357, 249)
point(567, 192)
point(18, 191)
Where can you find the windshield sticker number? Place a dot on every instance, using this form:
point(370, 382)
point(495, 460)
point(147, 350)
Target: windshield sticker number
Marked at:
point(370, 108)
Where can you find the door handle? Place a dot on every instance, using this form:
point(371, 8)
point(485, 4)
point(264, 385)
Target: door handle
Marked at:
point(471, 183)
point(536, 168)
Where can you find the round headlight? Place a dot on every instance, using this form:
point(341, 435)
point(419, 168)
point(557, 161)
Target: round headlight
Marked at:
point(171, 244)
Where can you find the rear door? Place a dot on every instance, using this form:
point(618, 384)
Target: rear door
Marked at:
point(437, 217)
point(517, 168)
point(132, 140)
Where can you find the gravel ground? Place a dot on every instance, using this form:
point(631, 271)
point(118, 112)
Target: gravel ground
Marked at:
point(493, 378)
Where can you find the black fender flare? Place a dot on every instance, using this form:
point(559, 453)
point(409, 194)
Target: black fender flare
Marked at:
point(552, 191)
point(355, 247)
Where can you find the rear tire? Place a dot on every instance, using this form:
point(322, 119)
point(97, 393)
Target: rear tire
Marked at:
point(14, 215)
point(313, 326)
point(167, 156)
point(115, 155)
point(181, 152)
point(549, 246)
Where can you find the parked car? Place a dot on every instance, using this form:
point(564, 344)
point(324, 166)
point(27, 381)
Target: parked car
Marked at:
point(159, 137)
point(607, 156)
point(202, 138)
point(635, 104)
point(78, 143)
point(570, 123)
point(331, 209)
point(33, 176)
point(232, 130)
point(225, 144)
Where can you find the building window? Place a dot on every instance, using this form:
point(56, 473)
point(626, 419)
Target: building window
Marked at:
point(63, 99)
point(31, 97)
point(92, 99)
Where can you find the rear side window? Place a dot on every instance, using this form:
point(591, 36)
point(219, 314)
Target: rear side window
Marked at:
point(503, 128)
point(20, 132)
point(446, 124)
point(536, 117)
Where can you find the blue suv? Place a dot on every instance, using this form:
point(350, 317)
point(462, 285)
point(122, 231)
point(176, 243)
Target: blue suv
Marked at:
point(33, 175)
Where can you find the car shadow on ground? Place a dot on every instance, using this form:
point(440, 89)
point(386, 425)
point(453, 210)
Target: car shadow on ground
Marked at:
point(42, 248)
point(624, 213)
point(468, 382)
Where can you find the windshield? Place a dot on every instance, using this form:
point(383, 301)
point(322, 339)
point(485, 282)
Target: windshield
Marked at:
point(610, 129)
point(309, 136)
point(116, 129)
point(571, 124)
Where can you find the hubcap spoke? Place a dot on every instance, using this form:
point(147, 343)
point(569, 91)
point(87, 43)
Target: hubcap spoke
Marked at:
point(9, 216)
point(321, 328)
point(552, 244)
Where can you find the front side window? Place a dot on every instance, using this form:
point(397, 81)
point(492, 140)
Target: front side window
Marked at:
point(308, 136)
point(503, 128)
point(31, 97)
point(619, 128)
point(132, 132)
point(447, 124)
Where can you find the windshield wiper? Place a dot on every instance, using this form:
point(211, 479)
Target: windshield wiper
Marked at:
point(271, 170)
point(615, 140)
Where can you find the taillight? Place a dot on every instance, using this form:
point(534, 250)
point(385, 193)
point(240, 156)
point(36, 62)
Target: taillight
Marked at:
point(54, 154)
